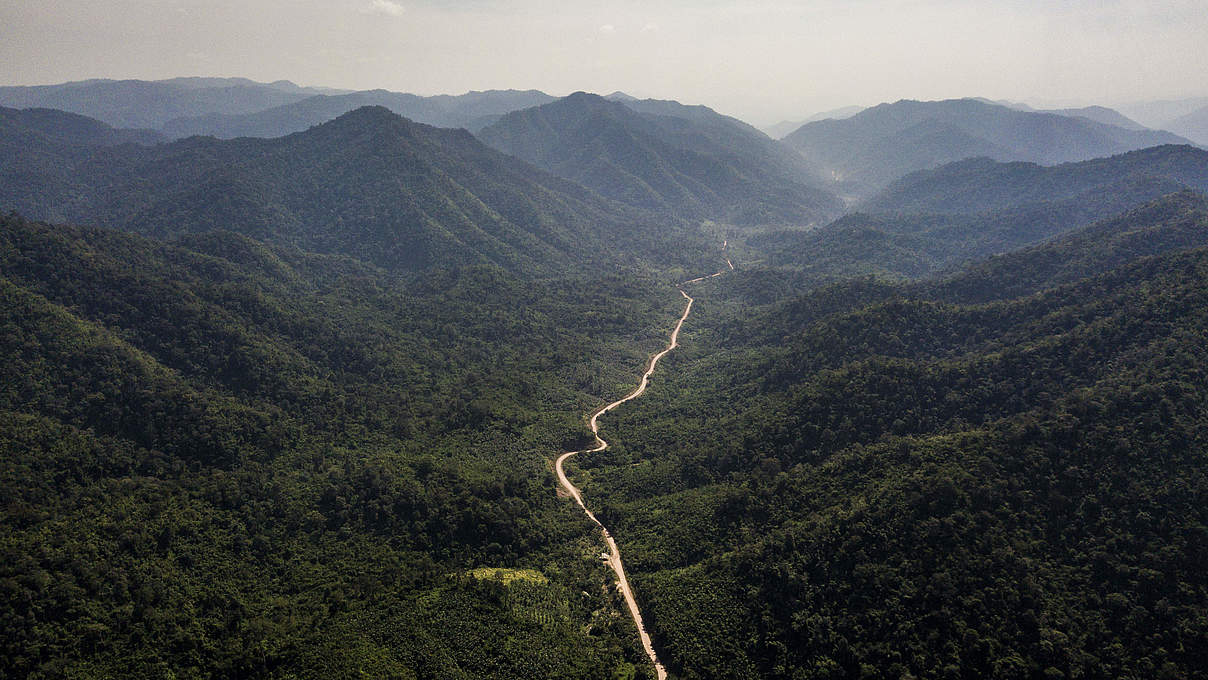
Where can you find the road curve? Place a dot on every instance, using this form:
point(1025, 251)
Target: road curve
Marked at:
point(614, 553)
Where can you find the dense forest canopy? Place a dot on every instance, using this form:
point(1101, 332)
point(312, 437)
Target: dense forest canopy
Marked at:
point(288, 406)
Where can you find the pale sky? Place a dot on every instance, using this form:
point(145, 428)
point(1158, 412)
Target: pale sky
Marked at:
point(760, 61)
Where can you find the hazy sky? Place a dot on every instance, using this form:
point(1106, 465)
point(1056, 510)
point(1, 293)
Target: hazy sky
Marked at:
point(761, 61)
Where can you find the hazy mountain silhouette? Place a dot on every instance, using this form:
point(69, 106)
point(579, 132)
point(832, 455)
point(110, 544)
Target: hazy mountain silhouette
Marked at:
point(878, 145)
point(785, 127)
point(937, 219)
point(1100, 114)
point(473, 110)
point(1193, 126)
point(150, 104)
point(653, 154)
point(1159, 113)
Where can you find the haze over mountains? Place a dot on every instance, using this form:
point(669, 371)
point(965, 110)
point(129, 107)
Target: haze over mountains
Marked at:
point(472, 111)
point(934, 220)
point(151, 104)
point(662, 155)
point(872, 148)
point(931, 401)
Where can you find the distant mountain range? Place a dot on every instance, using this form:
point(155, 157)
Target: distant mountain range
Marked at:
point(151, 104)
point(937, 219)
point(662, 155)
point(1193, 126)
point(1158, 114)
point(472, 111)
point(238, 107)
point(369, 184)
point(785, 127)
point(878, 145)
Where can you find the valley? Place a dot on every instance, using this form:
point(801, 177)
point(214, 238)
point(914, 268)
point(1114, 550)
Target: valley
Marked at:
point(294, 386)
point(614, 552)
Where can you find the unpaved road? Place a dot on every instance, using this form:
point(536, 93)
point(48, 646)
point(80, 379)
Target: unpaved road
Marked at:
point(614, 553)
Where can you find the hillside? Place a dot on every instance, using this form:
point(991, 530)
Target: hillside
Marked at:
point(878, 480)
point(662, 155)
point(878, 145)
point(225, 457)
point(936, 220)
point(59, 127)
point(1173, 223)
point(370, 184)
point(980, 185)
point(151, 104)
point(473, 110)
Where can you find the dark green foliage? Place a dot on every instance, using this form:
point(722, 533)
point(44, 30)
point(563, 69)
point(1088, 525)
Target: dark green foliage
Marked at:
point(1176, 222)
point(981, 185)
point(369, 184)
point(661, 155)
point(222, 458)
point(887, 481)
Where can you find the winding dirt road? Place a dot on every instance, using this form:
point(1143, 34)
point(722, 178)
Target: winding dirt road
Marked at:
point(614, 553)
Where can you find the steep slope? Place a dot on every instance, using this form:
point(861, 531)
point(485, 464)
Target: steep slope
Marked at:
point(1173, 223)
point(473, 110)
point(883, 143)
point(863, 482)
point(662, 155)
point(980, 185)
point(60, 127)
point(914, 246)
point(369, 184)
point(150, 104)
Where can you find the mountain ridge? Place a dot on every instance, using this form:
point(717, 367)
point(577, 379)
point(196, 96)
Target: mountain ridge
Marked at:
point(695, 163)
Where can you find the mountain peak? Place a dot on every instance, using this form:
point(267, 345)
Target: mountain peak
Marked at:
point(619, 96)
point(371, 116)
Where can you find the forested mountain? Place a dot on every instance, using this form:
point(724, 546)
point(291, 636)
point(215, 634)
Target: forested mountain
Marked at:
point(899, 245)
point(890, 481)
point(370, 184)
point(40, 127)
point(885, 142)
point(151, 104)
point(287, 407)
point(663, 155)
point(1175, 222)
point(473, 110)
point(980, 184)
point(937, 219)
point(228, 458)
